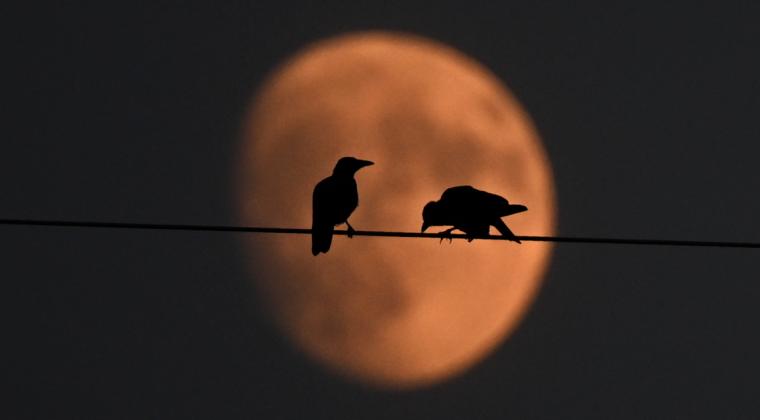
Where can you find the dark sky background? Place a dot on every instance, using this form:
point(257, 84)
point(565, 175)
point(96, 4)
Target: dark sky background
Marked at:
point(649, 115)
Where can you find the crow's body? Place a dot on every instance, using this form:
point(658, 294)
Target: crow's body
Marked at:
point(333, 201)
point(470, 210)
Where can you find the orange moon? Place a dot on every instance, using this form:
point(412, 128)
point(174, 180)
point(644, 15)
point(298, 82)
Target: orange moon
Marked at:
point(394, 313)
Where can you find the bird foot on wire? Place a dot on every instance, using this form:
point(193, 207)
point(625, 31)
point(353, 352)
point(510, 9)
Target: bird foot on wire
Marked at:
point(446, 234)
point(350, 231)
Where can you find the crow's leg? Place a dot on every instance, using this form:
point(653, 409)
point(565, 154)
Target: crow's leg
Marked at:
point(446, 234)
point(351, 230)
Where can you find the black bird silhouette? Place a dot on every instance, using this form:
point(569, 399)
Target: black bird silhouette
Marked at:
point(334, 199)
point(470, 210)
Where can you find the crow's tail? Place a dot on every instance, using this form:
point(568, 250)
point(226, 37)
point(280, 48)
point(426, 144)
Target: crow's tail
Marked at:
point(321, 238)
point(510, 209)
point(504, 230)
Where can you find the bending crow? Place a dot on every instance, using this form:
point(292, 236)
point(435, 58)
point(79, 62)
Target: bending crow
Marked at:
point(470, 210)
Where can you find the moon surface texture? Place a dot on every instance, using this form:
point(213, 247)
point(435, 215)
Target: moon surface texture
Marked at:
point(396, 313)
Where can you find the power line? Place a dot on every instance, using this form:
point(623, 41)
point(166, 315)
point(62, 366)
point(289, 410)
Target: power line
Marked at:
point(277, 230)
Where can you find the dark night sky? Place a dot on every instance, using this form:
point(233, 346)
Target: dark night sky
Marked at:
point(649, 115)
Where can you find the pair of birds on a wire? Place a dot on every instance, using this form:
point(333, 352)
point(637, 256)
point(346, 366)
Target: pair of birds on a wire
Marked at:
point(465, 208)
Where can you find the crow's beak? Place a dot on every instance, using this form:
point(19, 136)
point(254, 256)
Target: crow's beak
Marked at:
point(424, 226)
point(362, 163)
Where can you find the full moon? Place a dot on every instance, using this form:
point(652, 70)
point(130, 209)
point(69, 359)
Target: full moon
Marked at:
point(394, 313)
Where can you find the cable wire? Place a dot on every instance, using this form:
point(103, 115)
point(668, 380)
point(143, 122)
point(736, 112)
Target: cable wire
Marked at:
point(278, 230)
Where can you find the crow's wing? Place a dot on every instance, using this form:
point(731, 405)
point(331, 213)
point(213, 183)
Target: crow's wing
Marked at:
point(321, 221)
point(481, 202)
point(345, 199)
point(496, 205)
point(460, 194)
point(493, 204)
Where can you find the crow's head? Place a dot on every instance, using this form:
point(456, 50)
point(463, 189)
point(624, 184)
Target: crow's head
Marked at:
point(431, 215)
point(348, 166)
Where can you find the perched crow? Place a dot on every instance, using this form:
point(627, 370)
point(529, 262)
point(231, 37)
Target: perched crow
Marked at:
point(470, 210)
point(334, 199)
